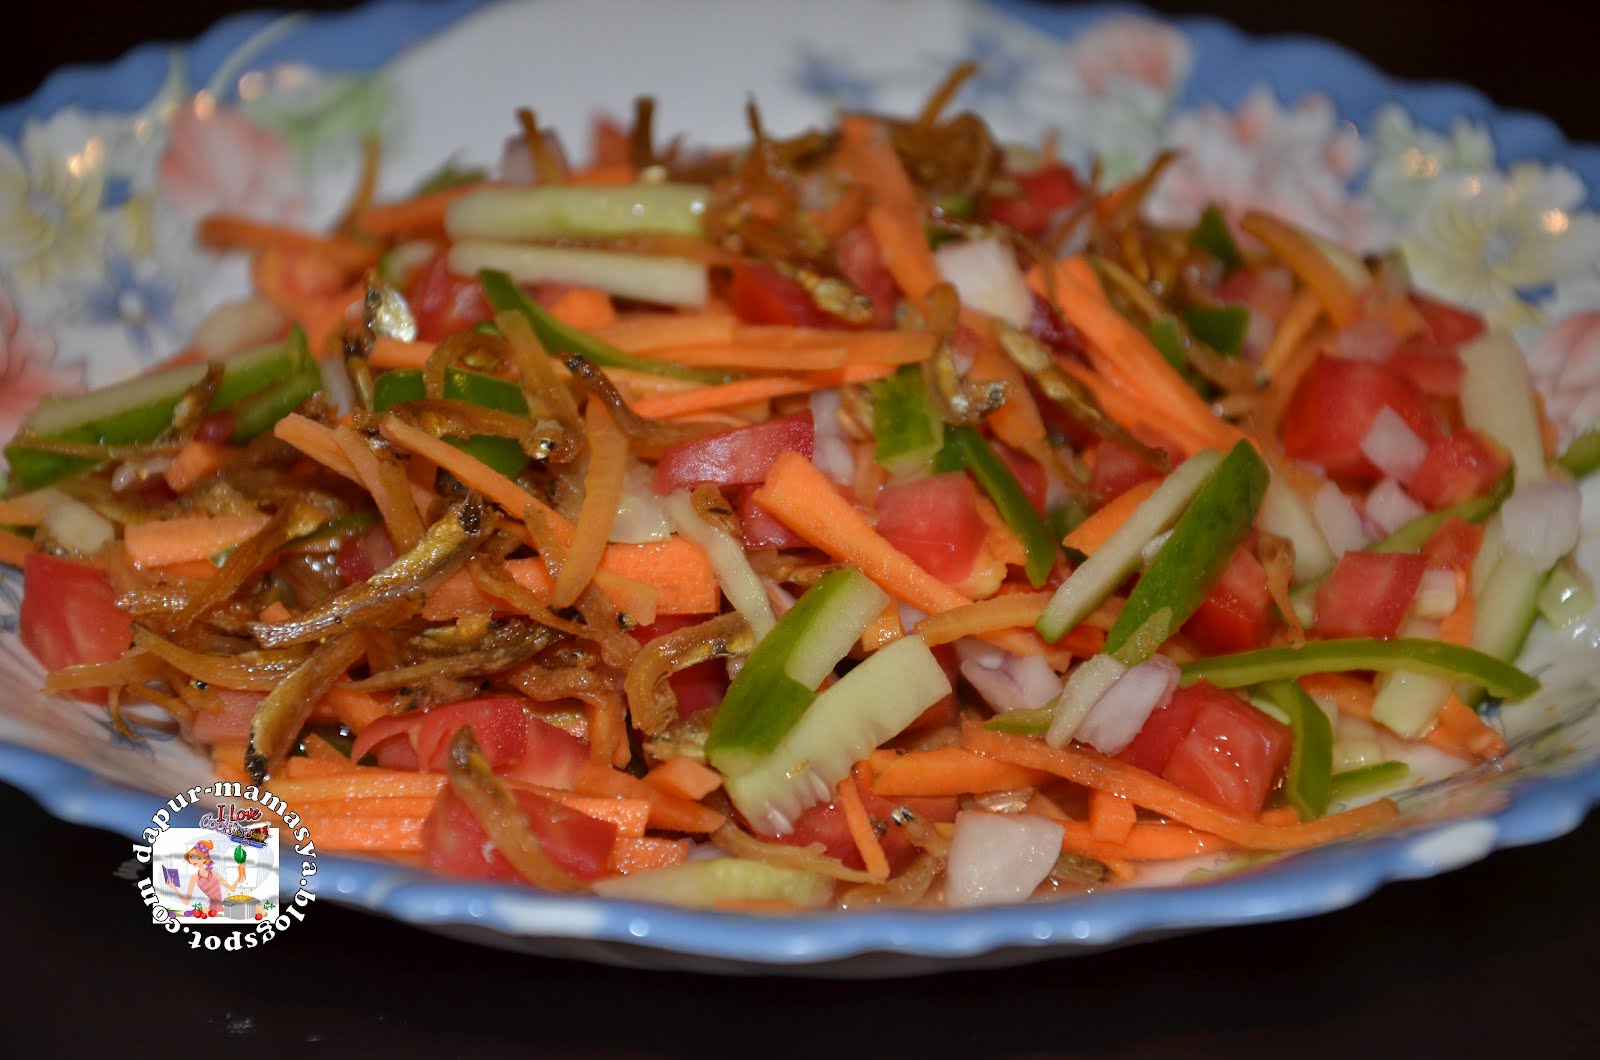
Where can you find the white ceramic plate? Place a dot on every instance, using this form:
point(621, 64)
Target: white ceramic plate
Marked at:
point(103, 172)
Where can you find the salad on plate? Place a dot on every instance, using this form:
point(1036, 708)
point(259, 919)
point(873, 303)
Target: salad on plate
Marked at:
point(886, 515)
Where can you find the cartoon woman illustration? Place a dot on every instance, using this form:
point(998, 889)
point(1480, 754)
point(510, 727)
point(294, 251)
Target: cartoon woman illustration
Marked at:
point(206, 875)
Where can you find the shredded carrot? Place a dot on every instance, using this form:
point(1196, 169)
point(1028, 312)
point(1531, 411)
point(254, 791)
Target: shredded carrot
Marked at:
point(754, 358)
point(951, 771)
point(999, 540)
point(389, 492)
point(27, 509)
point(362, 782)
point(321, 750)
point(1111, 817)
point(801, 497)
point(1309, 262)
point(667, 812)
point(388, 352)
point(685, 778)
point(356, 710)
point(848, 798)
point(1096, 771)
point(884, 629)
point(1279, 815)
point(420, 215)
point(1017, 423)
point(895, 216)
point(1089, 535)
point(195, 461)
point(274, 612)
point(584, 308)
point(14, 548)
point(1460, 731)
point(647, 332)
point(602, 489)
point(629, 815)
point(317, 442)
point(745, 391)
point(1009, 611)
point(227, 232)
point(1144, 842)
point(631, 855)
point(860, 347)
point(1291, 332)
point(369, 833)
point(161, 542)
point(199, 570)
point(628, 575)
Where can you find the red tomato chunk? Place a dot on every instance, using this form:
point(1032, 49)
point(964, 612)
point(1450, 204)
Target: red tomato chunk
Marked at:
point(1334, 406)
point(69, 615)
point(1236, 614)
point(1457, 468)
point(1232, 754)
point(455, 844)
point(1367, 594)
point(935, 521)
point(445, 303)
point(740, 457)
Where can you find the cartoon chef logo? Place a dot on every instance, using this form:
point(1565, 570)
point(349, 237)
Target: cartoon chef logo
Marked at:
point(210, 874)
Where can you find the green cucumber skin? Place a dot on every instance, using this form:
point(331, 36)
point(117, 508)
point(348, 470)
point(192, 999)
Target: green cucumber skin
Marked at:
point(705, 883)
point(502, 454)
point(245, 374)
point(1012, 504)
point(1199, 549)
point(1507, 608)
point(907, 434)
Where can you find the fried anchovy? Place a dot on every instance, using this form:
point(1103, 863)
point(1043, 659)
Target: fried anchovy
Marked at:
point(515, 643)
point(496, 810)
point(1037, 362)
point(396, 592)
point(280, 717)
point(651, 702)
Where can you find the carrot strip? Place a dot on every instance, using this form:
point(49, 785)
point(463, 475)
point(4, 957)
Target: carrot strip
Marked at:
point(602, 489)
point(631, 855)
point(952, 771)
point(307, 766)
point(746, 391)
point(685, 778)
point(861, 347)
point(1291, 331)
point(1017, 422)
point(14, 548)
point(1144, 842)
point(803, 499)
point(647, 332)
point(1460, 731)
point(420, 215)
point(362, 782)
point(848, 797)
point(754, 359)
point(629, 815)
point(399, 806)
point(885, 629)
point(1111, 817)
point(228, 232)
point(1090, 534)
point(380, 834)
point(667, 812)
point(27, 509)
point(1309, 262)
point(195, 461)
point(319, 749)
point(390, 352)
point(275, 612)
point(356, 710)
point(1008, 611)
point(628, 575)
point(188, 537)
point(394, 502)
point(895, 216)
point(1152, 792)
point(317, 442)
point(999, 540)
point(585, 308)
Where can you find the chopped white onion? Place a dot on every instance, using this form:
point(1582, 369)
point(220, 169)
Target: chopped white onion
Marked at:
point(72, 525)
point(986, 275)
point(739, 581)
point(1540, 520)
point(1083, 687)
point(336, 382)
point(1121, 711)
point(1392, 445)
point(1007, 681)
point(999, 858)
point(641, 513)
point(830, 452)
point(1391, 507)
point(1338, 519)
point(1436, 595)
point(234, 327)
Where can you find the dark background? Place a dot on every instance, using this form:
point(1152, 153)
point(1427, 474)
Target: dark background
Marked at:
point(1494, 959)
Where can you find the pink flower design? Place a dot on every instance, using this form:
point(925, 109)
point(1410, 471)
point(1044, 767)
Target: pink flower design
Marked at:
point(29, 369)
point(1565, 366)
point(217, 160)
point(1133, 48)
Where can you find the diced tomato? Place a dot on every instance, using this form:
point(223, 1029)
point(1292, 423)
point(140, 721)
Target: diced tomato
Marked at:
point(761, 528)
point(1367, 594)
point(362, 555)
point(760, 294)
point(861, 262)
point(1267, 292)
point(699, 686)
point(499, 724)
point(1236, 614)
point(550, 758)
point(1041, 196)
point(1334, 406)
point(1233, 754)
point(455, 844)
point(231, 724)
point(1152, 745)
point(1117, 469)
point(825, 823)
point(1437, 370)
point(1449, 325)
point(1029, 474)
point(1454, 546)
point(1458, 467)
point(935, 521)
point(740, 457)
point(69, 615)
point(445, 303)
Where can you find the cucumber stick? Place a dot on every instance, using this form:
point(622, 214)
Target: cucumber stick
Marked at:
point(1505, 610)
point(717, 880)
point(1497, 398)
point(138, 410)
point(1100, 574)
point(872, 703)
point(1193, 556)
point(779, 679)
point(553, 211)
point(641, 277)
